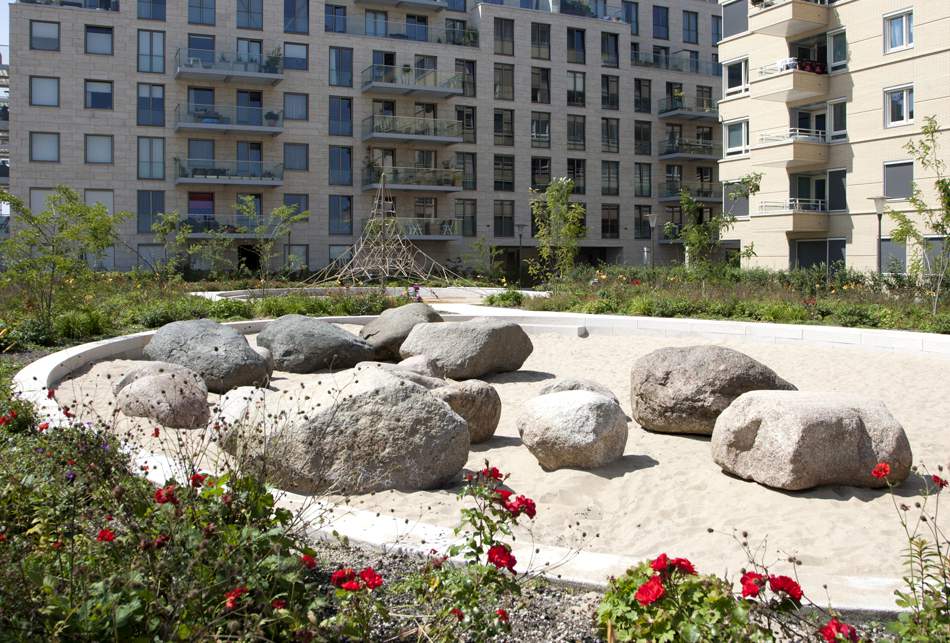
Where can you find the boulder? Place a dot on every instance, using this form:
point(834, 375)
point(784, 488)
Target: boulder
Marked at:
point(797, 440)
point(301, 344)
point(173, 400)
point(577, 384)
point(477, 402)
point(576, 429)
point(266, 354)
point(389, 330)
point(684, 389)
point(422, 365)
point(218, 353)
point(422, 380)
point(470, 349)
point(145, 369)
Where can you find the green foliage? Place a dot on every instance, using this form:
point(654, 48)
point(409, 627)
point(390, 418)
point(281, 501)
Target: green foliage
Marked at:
point(508, 298)
point(267, 231)
point(559, 223)
point(80, 324)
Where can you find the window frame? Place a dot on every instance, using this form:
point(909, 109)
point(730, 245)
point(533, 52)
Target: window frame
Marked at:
point(59, 152)
point(85, 149)
point(832, 133)
point(836, 66)
point(744, 149)
point(828, 189)
point(330, 172)
point(907, 91)
point(59, 35)
point(58, 91)
point(111, 31)
point(86, 96)
point(344, 231)
point(508, 71)
point(537, 46)
point(503, 46)
point(906, 16)
point(214, 12)
point(693, 32)
point(296, 147)
point(330, 112)
point(306, 100)
point(152, 140)
point(252, 13)
point(306, 57)
point(743, 88)
point(660, 10)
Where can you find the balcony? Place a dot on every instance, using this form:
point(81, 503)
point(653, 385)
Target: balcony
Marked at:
point(791, 80)
point(4, 173)
point(389, 80)
point(235, 226)
point(421, 229)
point(793, 148)
point(792, 215)
point(705, 192)
point(409, 129)
point(665, 236)
point(426, 5)
point(212, 172)
point(96, 5)
point(688, 108)
point(396, 30)
point(787, 18)
point(686, 149)
point(4, 224)
point(675, 62)
point(421, 179)
point(208, 65)
point(229, 118)
point(4, 116)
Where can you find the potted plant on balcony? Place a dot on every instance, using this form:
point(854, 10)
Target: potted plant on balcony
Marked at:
point(272, 63)
point(271, 118)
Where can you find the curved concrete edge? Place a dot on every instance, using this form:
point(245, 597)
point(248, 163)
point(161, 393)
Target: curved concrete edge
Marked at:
point(431, 293)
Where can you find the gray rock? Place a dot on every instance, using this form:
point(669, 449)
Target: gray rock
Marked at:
point(422, 380)
point(470, 349)
point(477, 402)
point(173, 400)
point(218, 353)
point(798, 440)
point(422, 365)
point(576, 429)
point(684, 389)
point(266, 354)
point(387, 332)
point(145, 369)
point(301, 344)
point(577, 384)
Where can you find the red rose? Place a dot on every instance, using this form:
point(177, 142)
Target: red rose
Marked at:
point(492, 473)
point(50, 393)
point(526, 506)
point(503, 495)
point(500, 556)
point(43, 426)
point(351, 586)
point(457, 613)
point(651, 591)
point(105, 536)
point(786, 585)
point(155, 432)
point(278, 603)
point(660, 563)
point(308, 561)
point(502, 615)
point(197, 479)
point(683, 565)
point(370, 578)
point(881, 470)
point(165, 495)
point(3, 538)
point(835, 628)
point(341, 576)
point(939, 482)
point(636, 282)
point(231, 598)
point(751, 584)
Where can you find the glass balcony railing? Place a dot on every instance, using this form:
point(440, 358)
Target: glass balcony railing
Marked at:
point(212, 170)
point(671, 189)
point(418, 227)
point(702, 106)
point(414, 176)
point(794, 205)
point(411, 127)
point(397, 30)
point(412, 77)
point(793, 64)
point(98, 5)
point(230, 224)
point(210, 60)
point(223, 116)
point(690, 147)
point(641, 104)
point(793, 135)
point(675, 62)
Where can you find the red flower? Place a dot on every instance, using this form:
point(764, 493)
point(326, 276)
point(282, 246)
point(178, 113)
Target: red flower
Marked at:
point(3, 538)
point(155, 432)
point(50, 393)
point(161, 541)
point(108, 517)
point(660, 563)
point(278, 603)
point(683, 565)
point(881, 470)
point(502, 615)
point(525, 505)
point(105, 536)
point(751, 584)
point(165, 495)
point(231, 598)
point(786, 585)
point(651, 591)
point(500, 556)
point(197, 479)
point(308, 561)
point(371, 578)
point(57, 545)
point(341, 576)
point(457, 613)
point(492, 473)
point(351, 586)
point(503, 495)
point(835, 628)
point(43, 426)
point(939, 482)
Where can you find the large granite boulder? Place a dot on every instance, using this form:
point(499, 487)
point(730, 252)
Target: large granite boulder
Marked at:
point(424, 381)
point(469, 349)
point(684, 389)
point(355, 432)
point(477, 402)
point(387, 332)
point(147, 369)
point(301, 344)
point(577, 384)
point(422, 365)
point(173, 399)
point(797, 440)
point(218, 353)
point(576, 429)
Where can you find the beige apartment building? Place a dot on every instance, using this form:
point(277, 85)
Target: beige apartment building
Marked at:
point(821, 96)
point(463, 106)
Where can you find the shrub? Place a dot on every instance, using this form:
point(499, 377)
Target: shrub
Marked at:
point(228, 309)
point(509, 298)
point(31, 330)
point(81, 324)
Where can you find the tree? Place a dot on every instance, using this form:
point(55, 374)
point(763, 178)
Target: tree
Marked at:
point(47, 254)
point(266, 230)
point(931, 261)
point(559, 223)
point(215, 250)
point(172, 234)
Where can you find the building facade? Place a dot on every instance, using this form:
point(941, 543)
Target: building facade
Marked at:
point(188, 105)
point(821, 97)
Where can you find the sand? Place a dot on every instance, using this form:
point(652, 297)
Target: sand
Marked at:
point(666, 493)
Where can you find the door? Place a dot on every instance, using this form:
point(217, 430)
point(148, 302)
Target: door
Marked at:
point(250, 108)
point(201, 104)
point(248, 258)
point(250, 157)
point(376, 23)
point(384, 66)
point(249, 51)
point(417, 28)
point(201, 48)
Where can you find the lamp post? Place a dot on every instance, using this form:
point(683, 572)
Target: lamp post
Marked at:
point(652, 217)
point(879, 202)
point(520, 228)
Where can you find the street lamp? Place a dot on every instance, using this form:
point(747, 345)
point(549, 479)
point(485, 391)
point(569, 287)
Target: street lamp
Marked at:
point(652, 217)
point(520, 228)
point(879, 202)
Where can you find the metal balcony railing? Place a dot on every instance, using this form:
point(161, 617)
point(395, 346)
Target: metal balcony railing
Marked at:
point(414, 227)
point(411, 126)
point(792, 64)
point(192, 59)
point(98, 5)
point(397, 30)
point(672, 188)
point(228, 170)
point(230, 224)
point(793, 134)
point(412, 76)
point(694, 105)
point(421, 176)
point(689, 146)
point(228, 115)
point(765, 4)
point(675, 62)
point(794, 205)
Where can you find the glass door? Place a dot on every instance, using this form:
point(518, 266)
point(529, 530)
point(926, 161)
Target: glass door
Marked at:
point(250, 158)
point(250, 108)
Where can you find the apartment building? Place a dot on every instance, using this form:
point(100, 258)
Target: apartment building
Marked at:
point(462, 106)
point(821, 96)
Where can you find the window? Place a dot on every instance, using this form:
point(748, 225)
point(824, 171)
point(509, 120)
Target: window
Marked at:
point(296, 56)
point(465, 114)
point(376, 23)
point(737, 138)
point(250, 14)
point(44, 35)
point(152, 9)
point(504, 36)
point(716, 30)
point(735, 18)
point(341, 67)
point(631, 15)
point(334, 18)
point(540, 85)
point(465, 161)
point(609, 49)
point(504, 81)
point(610, 134)
point(838, 127)
point(296, 256)
point(201, 47)
point(44, 91)
point(540, 41)
point(540, 172)
point(661, 23)
point(151, 203)
point(44, 147)
point(98, 148)
point(151, 51)
point(341, 165)
point(610, 92)
point(820, 252)
point(296, 107)
point(504, 218)
point(466, 210)
point(691, 27)
point(150, 105)
point(893, 256)
point(642, 96)
point(151, 157)
point(98, 94)
point(737, 77)
point(899, 106)
point(297, 16)
point(417, 28)
point(898, 31)
point(296, 156)
point(610, 178)
point(540, 129)
point(577, 172)
point(504, 173)
point(643, 138)
point(609, 221)
point(642, 180)
point(201, 12)
point(661, 56)
point(837, 190)
point(898, 179)
point(504, 127)
point(300, 202)
point(467, 69)
point(576, 49)
point(99, 40)
point(837, 51)
point(737, 206)
point(339, 254)
point(424, 208)
point(576, 91)
point(341, 215)
point(576, 134)
point(341, 116)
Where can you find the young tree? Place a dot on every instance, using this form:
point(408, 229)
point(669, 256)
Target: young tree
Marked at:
point(216, 252)
point(171, 232)
point(47, 253)
point(559, 224)
point(266, 230)
point(931, 261)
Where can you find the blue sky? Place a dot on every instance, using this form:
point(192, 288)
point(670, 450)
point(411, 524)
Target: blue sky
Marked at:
point(5, 30)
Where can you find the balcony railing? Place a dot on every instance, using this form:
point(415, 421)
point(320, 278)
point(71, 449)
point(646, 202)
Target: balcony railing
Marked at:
point(420, 227)
point(237, 225)
point(675, 62)
point(98, 5)
point(765, 4)
point(411, 127)
point(414, 176)
point(794, 205)
point(401, 31)
point(690, 147)
point(705, 191)
point(228, 116)
point(241, 172)
point(702, 106)
point(791, 64)
point(412, 77)
point(211, 61)
point(793, 135)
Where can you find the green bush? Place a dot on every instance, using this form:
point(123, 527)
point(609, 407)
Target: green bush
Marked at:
point(31, 330)
point(508, 298)
point(228, 309)
point(82, 324)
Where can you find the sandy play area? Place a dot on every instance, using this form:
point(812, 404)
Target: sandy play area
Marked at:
point(666, 493)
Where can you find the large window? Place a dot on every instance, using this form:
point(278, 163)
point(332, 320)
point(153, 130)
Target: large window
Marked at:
point(643, 138)
point(467, 69)
point(609, 49)
point(610, 178)
point(151, 51)
point(504, 127)
point(504, 218)
point(577, 172)
point(631, 15)
point(296, 55)
point(898, 179)
point(98, 94)
point(504, 36)
point(341, 165)
point(297, 16)
point(737, 138)
point(44, 147)
point(44, 35)
point(504, 81)
point(341, 215)
point(465, 161)
point(334, 18)
point(838, 120)
point(341, 116)
point(837, 51)
point(642, 177)
point(465, 114)
point(837, 190)
point(250, 14)
point(467, 211)
point(716, 29)
point(691, 27)
point(576, 49)
point(540, 41)
point(296, 156)
point(99, 40)
point(576, 88)
point(661, 22)
point(151, 203)
point(737, 77)
point(610, 221)
point(98, 148)
point(642, 100)
point(151, 157)
point(893, 256)
point(296, 107)
point(541, 129)
point(504, 173)
point(576, 132)
point(899, 31)
point(899, 106)
point(820, 252)
point(540, 85)
point(150, 108)
point(610, 135)
point(152, 10)
point(540, 172)
point(735, 17)
point(341, 66)
point(610, 92)
point(201, 12)
point(44, 91)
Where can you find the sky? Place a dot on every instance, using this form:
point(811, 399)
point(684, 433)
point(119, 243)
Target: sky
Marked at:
point(5, 30)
